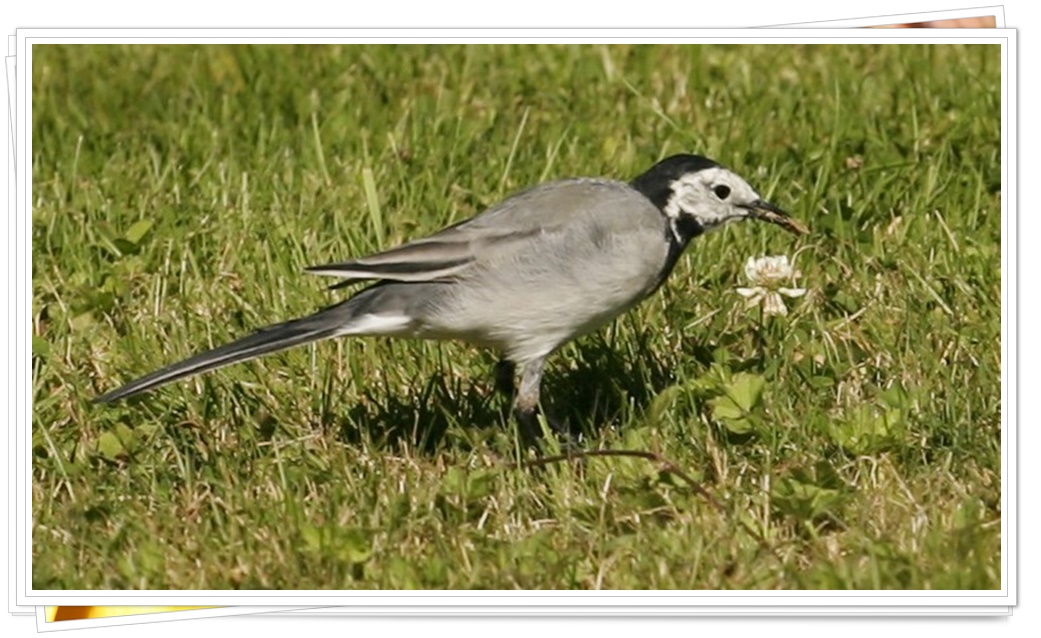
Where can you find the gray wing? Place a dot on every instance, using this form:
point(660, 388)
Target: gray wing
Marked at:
point(507, 227)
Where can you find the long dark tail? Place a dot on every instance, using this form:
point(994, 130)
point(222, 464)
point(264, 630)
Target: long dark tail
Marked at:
point(324, 324)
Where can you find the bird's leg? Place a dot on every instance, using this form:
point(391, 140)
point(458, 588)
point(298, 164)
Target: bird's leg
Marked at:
point(526, 403)
point(505, 372)
point(505, 376)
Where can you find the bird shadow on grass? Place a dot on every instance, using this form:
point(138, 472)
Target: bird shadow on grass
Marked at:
point(588, 391)
point(423, 419)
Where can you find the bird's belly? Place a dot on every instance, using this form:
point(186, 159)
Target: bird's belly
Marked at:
point(529, 319)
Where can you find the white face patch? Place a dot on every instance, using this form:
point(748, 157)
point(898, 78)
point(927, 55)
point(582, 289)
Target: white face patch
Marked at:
point(710, 197)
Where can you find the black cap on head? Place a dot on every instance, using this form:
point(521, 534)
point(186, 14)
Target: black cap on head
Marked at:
point(655, 183)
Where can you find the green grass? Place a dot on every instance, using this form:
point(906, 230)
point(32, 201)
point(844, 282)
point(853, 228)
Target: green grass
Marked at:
point(179, 191)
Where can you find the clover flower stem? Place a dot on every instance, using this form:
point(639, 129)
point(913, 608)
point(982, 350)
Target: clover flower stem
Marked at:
point(766, 333)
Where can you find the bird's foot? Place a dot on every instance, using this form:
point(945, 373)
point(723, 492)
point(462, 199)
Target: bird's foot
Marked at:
point(532, 431)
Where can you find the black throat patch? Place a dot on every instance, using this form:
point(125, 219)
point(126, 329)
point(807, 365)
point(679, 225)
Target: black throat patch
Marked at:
point(684, 228)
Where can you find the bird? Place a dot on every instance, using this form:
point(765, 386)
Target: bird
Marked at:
point(541, 268)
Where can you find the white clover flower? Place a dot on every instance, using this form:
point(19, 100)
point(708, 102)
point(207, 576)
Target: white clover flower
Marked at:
point(767, 276)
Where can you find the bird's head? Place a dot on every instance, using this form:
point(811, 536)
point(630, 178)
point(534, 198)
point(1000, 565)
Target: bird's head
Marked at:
point(699, 195)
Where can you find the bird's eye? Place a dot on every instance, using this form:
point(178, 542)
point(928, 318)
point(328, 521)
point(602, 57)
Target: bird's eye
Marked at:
point(722, 191)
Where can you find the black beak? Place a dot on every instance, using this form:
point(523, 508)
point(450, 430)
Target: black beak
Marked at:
point(767, 212)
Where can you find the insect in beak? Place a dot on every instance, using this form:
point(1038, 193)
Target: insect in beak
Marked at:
point(767, 212)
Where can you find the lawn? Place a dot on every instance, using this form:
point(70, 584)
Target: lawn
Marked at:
point(179, 191)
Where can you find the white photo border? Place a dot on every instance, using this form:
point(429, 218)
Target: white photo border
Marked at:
point(518, 601)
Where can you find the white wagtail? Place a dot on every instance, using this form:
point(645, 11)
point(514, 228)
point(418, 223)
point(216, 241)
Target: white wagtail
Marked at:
point(524, 277)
